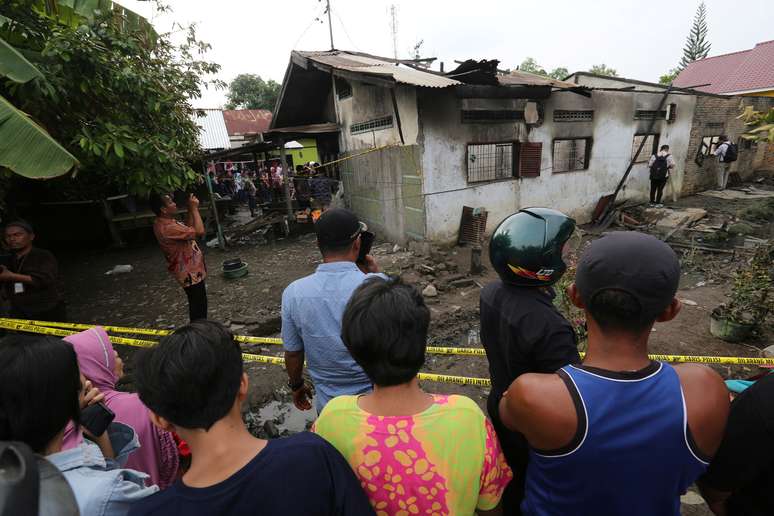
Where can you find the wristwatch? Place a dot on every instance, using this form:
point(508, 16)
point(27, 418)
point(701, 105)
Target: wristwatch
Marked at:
point(295, 386)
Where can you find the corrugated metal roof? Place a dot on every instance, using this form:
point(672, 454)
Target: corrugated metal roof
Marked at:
point(519, 78)
point(247, 121)
point(212, 134)
point(359, 63)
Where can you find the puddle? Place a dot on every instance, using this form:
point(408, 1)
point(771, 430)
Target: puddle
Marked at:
point(285, 417)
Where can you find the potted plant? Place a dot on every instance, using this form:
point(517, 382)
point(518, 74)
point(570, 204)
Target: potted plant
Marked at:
point(751, 299)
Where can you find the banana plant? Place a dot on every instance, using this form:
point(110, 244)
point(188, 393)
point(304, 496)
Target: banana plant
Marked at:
point(760, 125)
point(25, 147)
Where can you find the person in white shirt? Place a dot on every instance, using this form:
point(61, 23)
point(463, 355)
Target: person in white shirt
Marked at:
point(661, 166)
point(724, 166)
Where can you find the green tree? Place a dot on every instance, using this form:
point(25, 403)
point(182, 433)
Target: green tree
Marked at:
point(531, 66)
point(559, 73)
point(696, 45)
point(603, 69)
point(118, 100)
point(669, 77)
point(249, 91)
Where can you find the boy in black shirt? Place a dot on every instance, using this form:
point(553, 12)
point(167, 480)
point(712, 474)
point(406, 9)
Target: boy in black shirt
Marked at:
point(194, 385)
point(521, 329)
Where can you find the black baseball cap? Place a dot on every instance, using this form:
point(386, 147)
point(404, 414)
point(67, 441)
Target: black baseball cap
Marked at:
point(632, 262)
point(338, 227)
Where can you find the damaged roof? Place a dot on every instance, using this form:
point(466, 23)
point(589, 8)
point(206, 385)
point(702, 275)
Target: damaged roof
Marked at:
point(247, 121)
point(378, 66)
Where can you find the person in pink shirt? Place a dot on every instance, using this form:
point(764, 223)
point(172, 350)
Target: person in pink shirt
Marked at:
point(100, 364)
point(413, 452)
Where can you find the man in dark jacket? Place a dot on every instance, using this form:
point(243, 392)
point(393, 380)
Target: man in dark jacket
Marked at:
point(31, 280)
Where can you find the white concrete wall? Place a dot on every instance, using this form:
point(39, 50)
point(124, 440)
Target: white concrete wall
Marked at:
point(445, 172)
point(368, 102)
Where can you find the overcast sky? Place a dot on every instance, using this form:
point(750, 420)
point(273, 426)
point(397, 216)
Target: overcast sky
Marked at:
point(642, 40)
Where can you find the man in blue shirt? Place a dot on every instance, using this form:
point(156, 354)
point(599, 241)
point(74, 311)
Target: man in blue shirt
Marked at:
point(312, 308)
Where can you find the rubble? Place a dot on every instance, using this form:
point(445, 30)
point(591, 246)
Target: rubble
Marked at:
point(430, 291)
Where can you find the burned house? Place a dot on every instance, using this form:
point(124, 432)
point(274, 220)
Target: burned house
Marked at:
point(425, 143)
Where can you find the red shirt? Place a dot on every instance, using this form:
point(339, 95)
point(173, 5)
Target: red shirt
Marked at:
point(185, 260)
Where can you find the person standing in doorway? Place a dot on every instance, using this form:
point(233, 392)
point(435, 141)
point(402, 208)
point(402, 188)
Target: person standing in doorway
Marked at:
point(185, 260)
point(661, 166)
point(726, 153)
point(521, 329)
point(31, 279)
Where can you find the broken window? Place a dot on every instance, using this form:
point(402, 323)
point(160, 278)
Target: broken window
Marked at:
point(343, 88)
point(708, 145)
point(490, 161)
point(491, 115)
point(571, 154)
point(649, 149)
point(564, 115)
point(375, 124)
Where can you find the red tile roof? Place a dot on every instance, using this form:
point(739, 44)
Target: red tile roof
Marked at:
point(247, 121)
point(731, 73)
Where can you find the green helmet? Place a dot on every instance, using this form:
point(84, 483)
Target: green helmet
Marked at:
point(526, 248)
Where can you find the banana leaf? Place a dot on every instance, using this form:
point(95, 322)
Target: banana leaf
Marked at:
point(14, 66)
point(27, 149)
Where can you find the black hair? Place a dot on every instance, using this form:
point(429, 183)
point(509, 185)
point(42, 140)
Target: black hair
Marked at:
point(723, 138)
point(20, 223)
point(191, 378)
point(618, 310)
point(156, 201)
point(335, 250)
point(39, 389)
point(385, 330)
point(664, 147)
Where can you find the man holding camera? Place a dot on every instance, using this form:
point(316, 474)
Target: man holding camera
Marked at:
point(185, 260)
point(31, 277)
point(312, 308)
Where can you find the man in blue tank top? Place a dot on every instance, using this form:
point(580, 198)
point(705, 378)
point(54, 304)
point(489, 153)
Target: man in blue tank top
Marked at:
point(618, 434)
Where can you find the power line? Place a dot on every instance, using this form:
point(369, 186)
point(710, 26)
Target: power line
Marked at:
point(347, 33)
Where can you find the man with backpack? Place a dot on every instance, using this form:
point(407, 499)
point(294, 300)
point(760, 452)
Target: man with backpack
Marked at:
point(660, 166)
point(727, 153)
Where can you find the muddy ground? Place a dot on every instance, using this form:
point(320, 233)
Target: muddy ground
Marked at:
point(148, 297)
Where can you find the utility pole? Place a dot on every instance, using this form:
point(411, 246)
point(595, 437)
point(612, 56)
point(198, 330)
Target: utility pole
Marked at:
point(330, 23)
point(394, 29)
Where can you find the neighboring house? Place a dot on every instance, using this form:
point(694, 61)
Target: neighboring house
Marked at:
point(246, 125)
point(749, 72)
point(475, 137)
point(213, 135)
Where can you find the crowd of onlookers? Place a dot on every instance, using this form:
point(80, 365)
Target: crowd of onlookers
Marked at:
point(613, 434)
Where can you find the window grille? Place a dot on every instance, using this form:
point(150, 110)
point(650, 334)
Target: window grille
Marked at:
point(571, 154)
point(649, 149)
point(491, 115)
point(376, 124)
point(343, 88)
point(647, 114)
point(490, 161)
point(563, 115)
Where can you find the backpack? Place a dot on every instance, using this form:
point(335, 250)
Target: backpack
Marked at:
point(660, 167)
point(731, 153)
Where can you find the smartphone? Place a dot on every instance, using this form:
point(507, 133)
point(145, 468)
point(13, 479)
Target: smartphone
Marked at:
point(96, 418)
point(366, 241)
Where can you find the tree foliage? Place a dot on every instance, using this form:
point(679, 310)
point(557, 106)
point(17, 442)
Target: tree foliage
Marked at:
point(696, 45)
point(115, 98)
point(559, 73)
point(669, 77)
point(603, 69)
point(249, 91)
point(760, 125)
point(531, 65)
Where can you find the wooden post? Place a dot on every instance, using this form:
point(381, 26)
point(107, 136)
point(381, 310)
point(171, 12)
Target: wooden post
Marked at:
point(475, 259)
point(286, 181)
point(214, 207)
point(115, 233)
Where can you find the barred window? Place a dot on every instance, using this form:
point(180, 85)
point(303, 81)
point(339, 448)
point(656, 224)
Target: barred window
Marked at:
point(571, 154)
point(491, 115)
point(343, 88)
point(490, 161)
point(709, 144)
point(376, 124)
point(650, 148)
point(564, 115)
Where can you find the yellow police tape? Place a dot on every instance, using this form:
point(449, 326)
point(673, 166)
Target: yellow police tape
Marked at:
point(11, 324)
point(700, 359)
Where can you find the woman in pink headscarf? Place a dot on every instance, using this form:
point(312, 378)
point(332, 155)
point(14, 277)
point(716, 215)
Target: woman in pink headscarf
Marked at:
point(98, 361)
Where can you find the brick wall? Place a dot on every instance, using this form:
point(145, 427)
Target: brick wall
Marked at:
point(714, 116)
point(767, 160)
